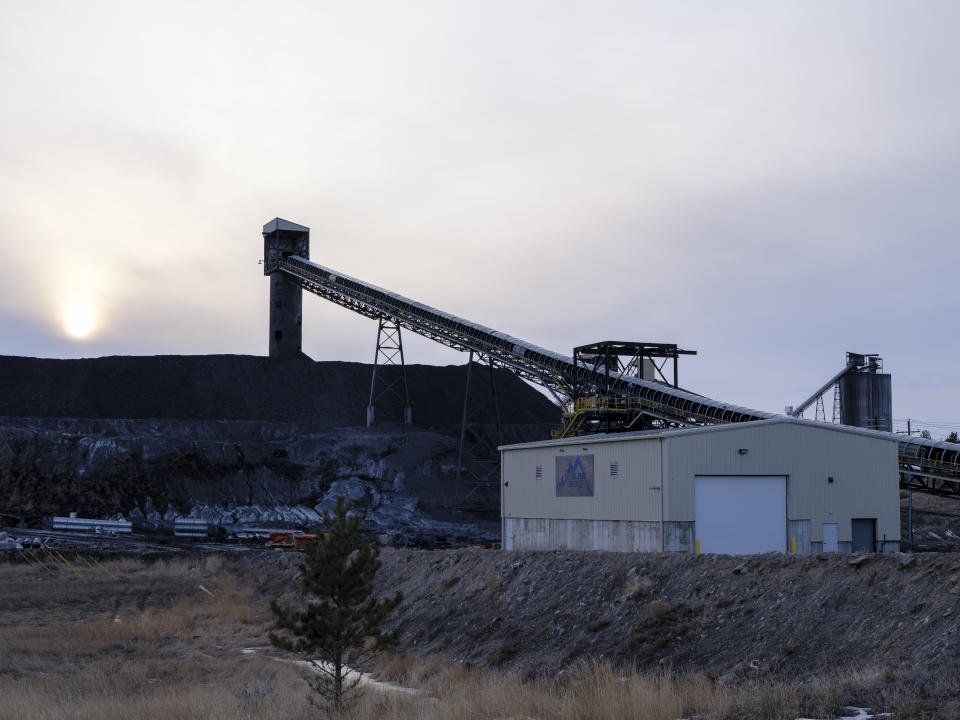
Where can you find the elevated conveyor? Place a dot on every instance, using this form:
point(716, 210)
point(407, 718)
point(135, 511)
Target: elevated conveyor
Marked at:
point(925, 465)
point(930, 466)
point(554, 371)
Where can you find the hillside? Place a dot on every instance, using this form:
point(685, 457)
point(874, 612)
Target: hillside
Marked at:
point(483, 634)
point(890, 620)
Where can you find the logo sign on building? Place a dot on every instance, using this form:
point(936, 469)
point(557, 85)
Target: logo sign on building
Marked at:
point(575, 476)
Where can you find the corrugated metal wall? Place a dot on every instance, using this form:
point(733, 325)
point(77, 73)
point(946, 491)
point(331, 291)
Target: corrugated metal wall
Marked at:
point(624, 496)
point(863, 471)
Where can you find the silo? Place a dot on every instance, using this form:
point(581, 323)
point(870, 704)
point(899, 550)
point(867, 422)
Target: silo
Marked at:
point(866, 400)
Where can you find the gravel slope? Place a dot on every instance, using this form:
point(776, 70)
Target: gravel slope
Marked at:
point(736, 617)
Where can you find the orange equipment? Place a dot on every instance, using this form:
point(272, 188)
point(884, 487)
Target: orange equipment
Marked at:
point(289, 539)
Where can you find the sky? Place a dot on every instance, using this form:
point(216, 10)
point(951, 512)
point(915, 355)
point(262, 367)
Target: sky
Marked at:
point(771, 184)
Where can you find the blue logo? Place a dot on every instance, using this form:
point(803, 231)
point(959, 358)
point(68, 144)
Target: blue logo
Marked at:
point(576, 478)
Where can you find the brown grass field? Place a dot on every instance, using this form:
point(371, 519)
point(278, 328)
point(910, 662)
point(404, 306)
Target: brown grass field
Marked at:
point(132, 638)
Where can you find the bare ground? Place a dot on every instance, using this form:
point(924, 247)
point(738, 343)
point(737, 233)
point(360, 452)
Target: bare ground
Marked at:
point(489, 634)
point(732, 617)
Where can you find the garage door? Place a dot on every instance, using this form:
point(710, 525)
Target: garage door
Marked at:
point(741, 514)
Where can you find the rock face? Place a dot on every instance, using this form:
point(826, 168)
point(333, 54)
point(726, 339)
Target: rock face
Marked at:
point(135, 436)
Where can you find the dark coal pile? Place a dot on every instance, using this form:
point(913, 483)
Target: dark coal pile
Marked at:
point(249, 441)
point(246, 387)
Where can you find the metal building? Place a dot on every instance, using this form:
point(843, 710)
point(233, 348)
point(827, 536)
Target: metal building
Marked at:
point(781, 484)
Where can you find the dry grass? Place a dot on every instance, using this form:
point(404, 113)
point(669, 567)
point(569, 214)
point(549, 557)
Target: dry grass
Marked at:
point(118, 689)
point(595, 690)
point(138, 639)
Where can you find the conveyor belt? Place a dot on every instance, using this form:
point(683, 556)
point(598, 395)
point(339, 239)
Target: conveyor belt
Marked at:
point(930, 466)
point(554, 371)
point(925, 465)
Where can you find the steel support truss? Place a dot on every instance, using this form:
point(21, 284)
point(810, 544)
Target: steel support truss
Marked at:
point(556, 372)
point(438, 326)
point(388, 383)
point(478, 460)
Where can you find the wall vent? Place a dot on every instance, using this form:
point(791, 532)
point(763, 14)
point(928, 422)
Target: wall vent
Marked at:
point(539, 472)
point(614, 469)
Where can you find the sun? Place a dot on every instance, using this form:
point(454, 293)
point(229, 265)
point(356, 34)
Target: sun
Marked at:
point(79, 319)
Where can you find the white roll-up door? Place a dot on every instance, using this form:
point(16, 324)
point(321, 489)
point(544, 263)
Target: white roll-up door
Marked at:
point(741, 514)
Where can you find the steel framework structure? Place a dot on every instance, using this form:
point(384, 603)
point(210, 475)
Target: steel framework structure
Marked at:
point(478, 464)
point(594, 407)
point(389, 354)
point(925, 465)
point(554, 371)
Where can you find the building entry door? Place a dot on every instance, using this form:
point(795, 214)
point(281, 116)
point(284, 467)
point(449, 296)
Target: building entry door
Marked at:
point(831, 537)
point(864, 535)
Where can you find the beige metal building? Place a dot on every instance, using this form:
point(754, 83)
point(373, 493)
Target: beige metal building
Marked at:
point(781, 484)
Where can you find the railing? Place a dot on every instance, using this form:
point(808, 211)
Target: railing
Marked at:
point(570, 426)
point(631, 405)
point(930, 465)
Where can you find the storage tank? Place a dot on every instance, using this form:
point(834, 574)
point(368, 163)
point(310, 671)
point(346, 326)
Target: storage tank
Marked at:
point(866, 400)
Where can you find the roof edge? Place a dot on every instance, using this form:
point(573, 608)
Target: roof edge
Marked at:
point(674, 432)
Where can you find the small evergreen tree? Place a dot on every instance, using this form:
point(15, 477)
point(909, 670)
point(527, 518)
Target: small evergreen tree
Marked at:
point(341, 632)
point(953, 437)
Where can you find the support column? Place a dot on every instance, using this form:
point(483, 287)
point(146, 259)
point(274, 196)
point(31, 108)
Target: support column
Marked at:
point(478, 459)
point(463, 434)
point(382, 387)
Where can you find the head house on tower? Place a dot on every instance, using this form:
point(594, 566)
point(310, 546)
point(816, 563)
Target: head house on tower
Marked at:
point(283, 239)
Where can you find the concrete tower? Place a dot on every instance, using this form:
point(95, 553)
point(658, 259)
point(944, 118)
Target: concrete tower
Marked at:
point(281, 240)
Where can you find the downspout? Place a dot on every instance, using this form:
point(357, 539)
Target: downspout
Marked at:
point(663, 529)
point(503, 504)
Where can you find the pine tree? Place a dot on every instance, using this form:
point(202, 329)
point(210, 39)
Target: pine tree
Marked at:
point(953, 437)
point(341, 632)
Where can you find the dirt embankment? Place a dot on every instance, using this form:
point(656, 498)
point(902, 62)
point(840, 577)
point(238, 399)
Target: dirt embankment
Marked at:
point(734, 617)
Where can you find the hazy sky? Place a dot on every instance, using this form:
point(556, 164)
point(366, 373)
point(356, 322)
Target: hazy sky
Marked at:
point(771, 184)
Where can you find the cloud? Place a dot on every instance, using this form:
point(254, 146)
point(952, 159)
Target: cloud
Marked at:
point(770, 184)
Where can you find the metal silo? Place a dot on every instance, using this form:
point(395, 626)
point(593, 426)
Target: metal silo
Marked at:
point(865, 395)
